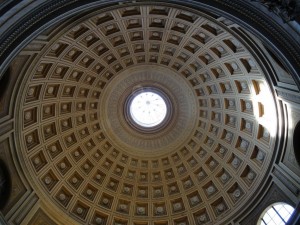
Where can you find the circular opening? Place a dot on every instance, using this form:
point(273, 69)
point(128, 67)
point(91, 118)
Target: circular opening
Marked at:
point(148, 109)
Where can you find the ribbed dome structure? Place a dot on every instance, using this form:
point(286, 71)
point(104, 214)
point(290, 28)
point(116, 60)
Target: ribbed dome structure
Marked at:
point(87, 158)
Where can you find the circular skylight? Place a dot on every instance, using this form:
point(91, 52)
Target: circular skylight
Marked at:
point(148, 109)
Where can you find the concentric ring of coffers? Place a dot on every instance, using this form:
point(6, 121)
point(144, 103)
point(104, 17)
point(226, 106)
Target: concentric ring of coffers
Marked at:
point(82, 155)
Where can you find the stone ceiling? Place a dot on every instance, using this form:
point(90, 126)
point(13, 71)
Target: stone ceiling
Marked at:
point(87, 162)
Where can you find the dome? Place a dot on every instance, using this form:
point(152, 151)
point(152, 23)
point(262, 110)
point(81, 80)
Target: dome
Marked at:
point(146, 114)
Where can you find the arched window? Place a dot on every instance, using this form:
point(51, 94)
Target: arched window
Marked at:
point(276, 214)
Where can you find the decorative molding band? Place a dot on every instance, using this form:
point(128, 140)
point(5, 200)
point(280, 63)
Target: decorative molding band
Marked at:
point(250, 17)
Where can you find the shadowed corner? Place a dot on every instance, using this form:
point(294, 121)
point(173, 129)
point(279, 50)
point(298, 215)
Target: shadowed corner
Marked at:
point(296, 142)
point(5, 184)
point(4, 81)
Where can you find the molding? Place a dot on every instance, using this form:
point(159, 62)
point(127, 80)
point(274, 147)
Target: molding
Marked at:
point(248, 16)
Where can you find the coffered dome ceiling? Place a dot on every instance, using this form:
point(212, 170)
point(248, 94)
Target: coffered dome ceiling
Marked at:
point(88, 159)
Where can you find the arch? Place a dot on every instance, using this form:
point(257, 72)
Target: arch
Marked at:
point(275, 214)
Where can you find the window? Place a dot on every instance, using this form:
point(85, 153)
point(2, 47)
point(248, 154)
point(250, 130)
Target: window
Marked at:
point(276, 214)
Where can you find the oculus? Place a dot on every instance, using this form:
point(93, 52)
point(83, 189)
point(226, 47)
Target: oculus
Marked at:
point(148, 109)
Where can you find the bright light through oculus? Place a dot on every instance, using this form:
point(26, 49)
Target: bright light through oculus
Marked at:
point(148, 109)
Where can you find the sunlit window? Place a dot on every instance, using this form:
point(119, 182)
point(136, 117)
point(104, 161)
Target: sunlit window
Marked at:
point(148, 109)
point(276, 214)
